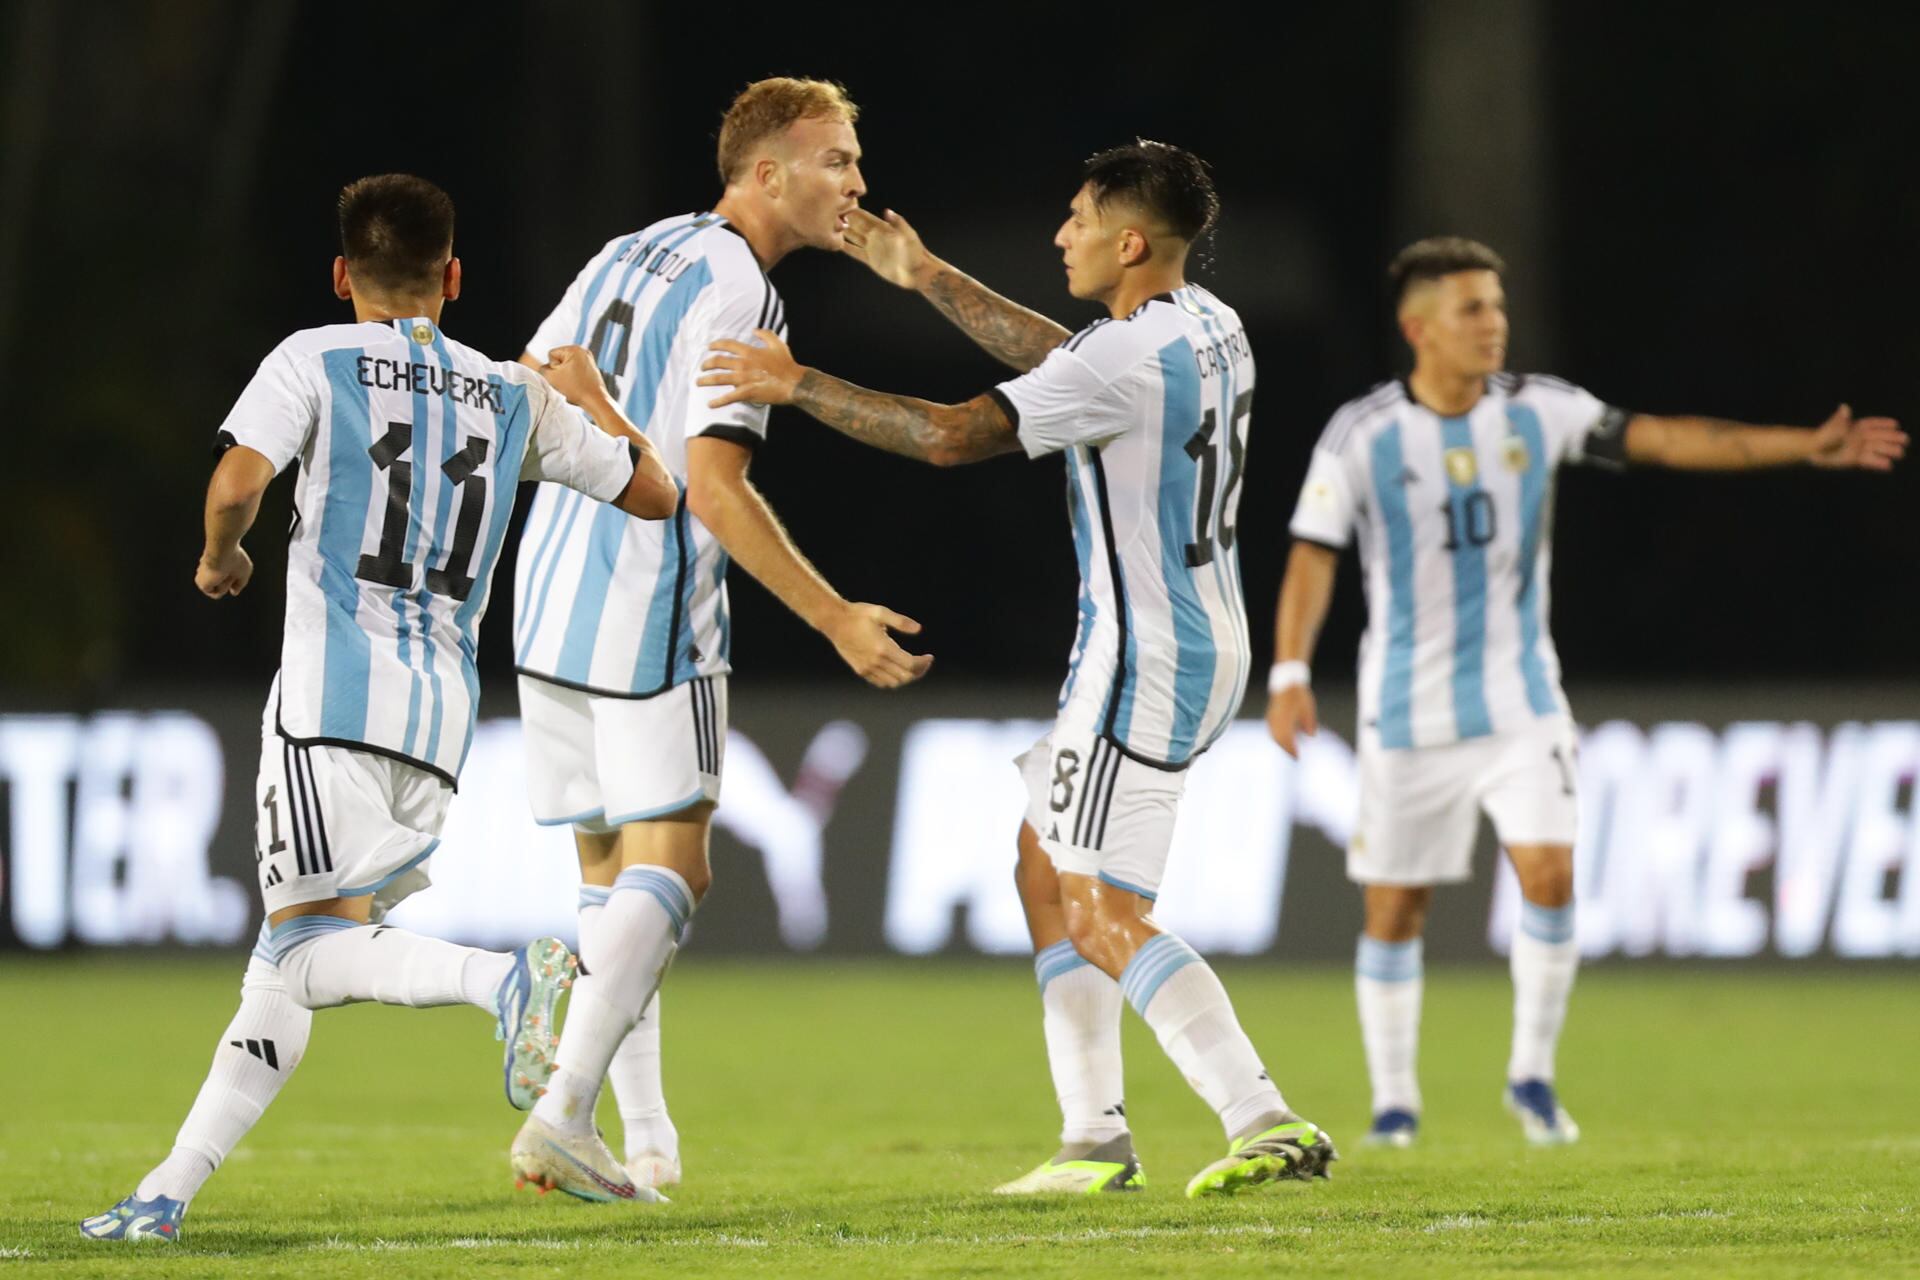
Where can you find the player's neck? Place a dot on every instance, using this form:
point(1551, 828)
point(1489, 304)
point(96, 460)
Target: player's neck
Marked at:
point(1449, 394)
point(381, 310)
point(1137, 287)
point(764, 234)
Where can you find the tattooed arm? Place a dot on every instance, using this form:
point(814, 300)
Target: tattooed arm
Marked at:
point(1004, 329)
point(1711, 444)
point(943, 434)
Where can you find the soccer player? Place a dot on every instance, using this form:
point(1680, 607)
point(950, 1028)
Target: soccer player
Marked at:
point(410, 446)
point(1150, 404)
point(621, 627)
point(1448, 476)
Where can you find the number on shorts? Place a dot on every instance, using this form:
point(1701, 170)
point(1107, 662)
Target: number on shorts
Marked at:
point(1566, 769)
point(1065, 766)
point(273, 824)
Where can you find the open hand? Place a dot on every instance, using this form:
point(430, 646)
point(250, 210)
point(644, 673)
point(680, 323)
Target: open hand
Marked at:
point(861, 636)
point(766, 374)
point(889, 246)
point(1873, 444)
point(226, 574)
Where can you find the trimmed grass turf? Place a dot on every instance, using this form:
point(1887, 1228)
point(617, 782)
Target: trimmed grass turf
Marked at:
point(847, 1118)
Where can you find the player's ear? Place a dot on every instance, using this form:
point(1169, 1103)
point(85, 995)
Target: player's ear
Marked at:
point(1134, 248)
point(767, 173)
point(342, 285)
point(450, 280)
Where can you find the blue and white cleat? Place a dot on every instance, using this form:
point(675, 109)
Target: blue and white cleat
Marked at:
point(541, 971)
point(1394, 1127)
point(157, 1219)
point(1537, 1107)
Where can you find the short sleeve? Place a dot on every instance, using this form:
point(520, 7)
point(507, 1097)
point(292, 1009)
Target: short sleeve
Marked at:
point(568, 449)
point(1329, 501)
point(275, 416)
point(740, 303)
point(562, 327)
point(1579, 426)
point(1077, 395)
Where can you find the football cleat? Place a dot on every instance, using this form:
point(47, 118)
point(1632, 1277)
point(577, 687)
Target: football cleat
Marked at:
point(541, 971)
point(157, 1219)
point(1110, 1166)
point(552, 1159)
point(1537, 1107)
point(1394, 1127)
point(654, 1169)
point(1295, 1149)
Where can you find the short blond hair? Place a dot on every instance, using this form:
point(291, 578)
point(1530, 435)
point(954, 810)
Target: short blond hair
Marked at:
point(765, 108)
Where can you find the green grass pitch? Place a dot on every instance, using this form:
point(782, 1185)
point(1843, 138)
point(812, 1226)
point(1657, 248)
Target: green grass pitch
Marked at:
point(848, 1118)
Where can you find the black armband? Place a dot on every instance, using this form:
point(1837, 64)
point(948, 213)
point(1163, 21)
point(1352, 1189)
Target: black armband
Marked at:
point(1606, 443)
point(1001, 398)
point(221, 443)
point(742, 436)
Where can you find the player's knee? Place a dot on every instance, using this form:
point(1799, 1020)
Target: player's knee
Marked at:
point(1549, 886)
point(1097, 934)
point(1398, 915)
point(699, 879)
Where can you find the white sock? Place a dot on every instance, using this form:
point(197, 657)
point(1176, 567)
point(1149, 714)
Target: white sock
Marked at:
point(256, 1054)
point(633, 942)
point(1544, 959)
point(1182, 1000)
point(326, 961)
point(634, 1071)
point(1081, 1017)
point(1387, 981)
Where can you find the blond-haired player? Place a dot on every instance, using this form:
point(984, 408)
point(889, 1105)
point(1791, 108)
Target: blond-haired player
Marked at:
point(621, 627)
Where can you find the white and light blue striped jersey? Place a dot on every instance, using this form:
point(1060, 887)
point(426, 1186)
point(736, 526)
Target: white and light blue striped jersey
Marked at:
point(1456, 519)
point(1152, 412)
point(631, 608)
point(410, 446)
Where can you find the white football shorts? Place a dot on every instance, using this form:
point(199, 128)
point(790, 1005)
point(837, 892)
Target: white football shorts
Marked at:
point(1420, 807)
point(333, 822)
point(597, 763)
point(1100, 812)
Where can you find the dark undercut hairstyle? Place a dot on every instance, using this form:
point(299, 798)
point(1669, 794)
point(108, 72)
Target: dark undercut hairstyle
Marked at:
point(395, 230)
point(1161, 180)
point(1437, 256)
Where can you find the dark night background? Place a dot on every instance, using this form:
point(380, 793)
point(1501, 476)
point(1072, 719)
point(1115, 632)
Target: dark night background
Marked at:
point(1706, 208)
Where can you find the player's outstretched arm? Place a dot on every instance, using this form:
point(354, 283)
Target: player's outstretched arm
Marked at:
point(736, 513)
point(943, 434)
point(1005, 330)
point(1710, 444)
point(651, 494)
point(233, 501)
point(1305, 594)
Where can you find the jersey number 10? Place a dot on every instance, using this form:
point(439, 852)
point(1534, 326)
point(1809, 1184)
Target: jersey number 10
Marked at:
point(1205, 526)
point(390, 567)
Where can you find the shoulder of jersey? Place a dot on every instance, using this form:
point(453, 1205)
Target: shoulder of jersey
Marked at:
point(1357, 413)
point(1146, 328)
point(1514, 385)
point(736, 269)
point(332, 337)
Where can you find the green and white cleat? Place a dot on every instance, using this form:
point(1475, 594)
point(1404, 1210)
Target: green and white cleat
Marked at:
point(1295, 1149)
point(541, 971)
point(578, 1164)
point(1110, 1166)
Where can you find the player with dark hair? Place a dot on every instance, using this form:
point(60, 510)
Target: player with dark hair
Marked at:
point(410, 448)
point(1448, 476)
point(1151, 405)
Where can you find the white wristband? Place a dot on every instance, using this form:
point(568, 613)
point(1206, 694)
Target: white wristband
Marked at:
point(1285, 675)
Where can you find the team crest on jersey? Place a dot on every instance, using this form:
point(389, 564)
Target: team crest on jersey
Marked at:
point(1513, 451)
point(422, 334)
point(1462, 467)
